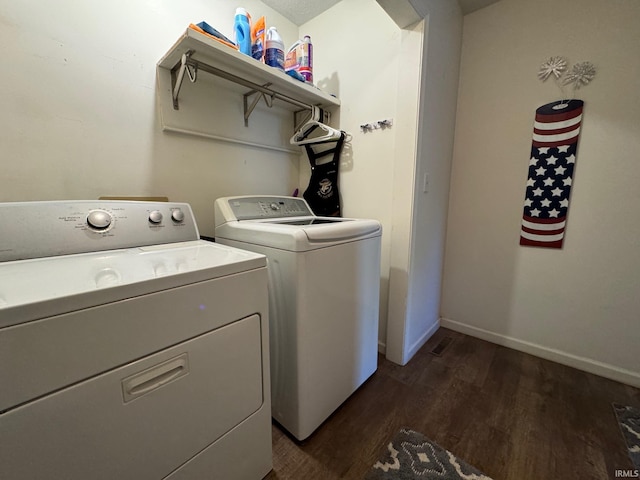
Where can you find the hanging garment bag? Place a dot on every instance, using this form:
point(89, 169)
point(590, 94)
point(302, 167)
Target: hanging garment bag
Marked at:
point(322, 194)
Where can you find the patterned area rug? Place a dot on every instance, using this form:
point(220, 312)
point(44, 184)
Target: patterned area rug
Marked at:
point(629, 420)
point(412, 456)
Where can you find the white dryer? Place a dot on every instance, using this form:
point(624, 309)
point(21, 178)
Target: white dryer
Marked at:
point(129, 348)
point(324, 288)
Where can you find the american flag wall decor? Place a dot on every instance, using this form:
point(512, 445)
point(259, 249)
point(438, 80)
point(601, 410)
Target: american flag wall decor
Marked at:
point(553, 157)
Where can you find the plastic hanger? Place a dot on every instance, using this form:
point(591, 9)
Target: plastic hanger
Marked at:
point(315, 131)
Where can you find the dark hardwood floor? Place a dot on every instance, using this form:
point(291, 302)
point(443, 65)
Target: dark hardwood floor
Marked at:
point(512, 415)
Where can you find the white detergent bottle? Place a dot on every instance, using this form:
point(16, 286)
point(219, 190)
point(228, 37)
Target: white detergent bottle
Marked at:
point(306, 59)
point(274, 52)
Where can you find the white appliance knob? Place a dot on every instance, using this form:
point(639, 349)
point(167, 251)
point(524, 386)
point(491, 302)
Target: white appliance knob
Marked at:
point(99, 219)
point(155, 216)
point(177, 216)
point(275, 206)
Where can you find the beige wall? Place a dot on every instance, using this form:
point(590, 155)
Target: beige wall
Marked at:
point(578, 305)
point(80, 117)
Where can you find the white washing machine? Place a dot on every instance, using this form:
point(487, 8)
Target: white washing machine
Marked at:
point(129, 348)
point(324, 288)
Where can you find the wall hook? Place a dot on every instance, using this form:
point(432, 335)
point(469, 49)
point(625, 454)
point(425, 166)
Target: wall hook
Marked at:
point(380, 124)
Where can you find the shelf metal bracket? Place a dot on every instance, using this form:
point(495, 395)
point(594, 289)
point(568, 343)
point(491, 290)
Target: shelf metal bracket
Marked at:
point(177, 76)
point(188, 65)
point(248, 108)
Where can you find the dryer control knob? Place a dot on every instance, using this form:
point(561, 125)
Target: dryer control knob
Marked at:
point(155, 217)
point(177, 216)
point(99, 219)
point(274, 206)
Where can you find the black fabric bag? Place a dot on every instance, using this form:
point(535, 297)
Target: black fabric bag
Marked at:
point(322, 194)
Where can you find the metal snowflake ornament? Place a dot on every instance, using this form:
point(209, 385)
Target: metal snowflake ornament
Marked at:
point(580, 75)
point(555, 66)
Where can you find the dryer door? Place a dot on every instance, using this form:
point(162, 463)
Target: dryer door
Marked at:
point(143, 420)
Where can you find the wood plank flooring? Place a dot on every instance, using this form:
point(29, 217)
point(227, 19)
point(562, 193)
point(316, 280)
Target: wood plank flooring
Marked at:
point(512, 415)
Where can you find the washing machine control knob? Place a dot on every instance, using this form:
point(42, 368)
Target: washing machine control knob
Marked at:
point(155, 217)
point(177, 215)
point(99, 219)
point(274, 206)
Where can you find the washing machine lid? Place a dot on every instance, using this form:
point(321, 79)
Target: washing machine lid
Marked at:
point(286, 223)
point(300, 234)
point(43, 287)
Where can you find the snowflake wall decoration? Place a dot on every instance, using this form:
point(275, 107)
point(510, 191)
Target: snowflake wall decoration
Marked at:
point(580, 74)
point(555, 66)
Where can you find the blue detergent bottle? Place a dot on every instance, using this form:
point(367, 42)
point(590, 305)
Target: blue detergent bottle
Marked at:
point(242, 29)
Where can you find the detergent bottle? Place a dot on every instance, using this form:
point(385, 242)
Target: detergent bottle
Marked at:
point(257, 39)
point(306, 59)
point(274, 52)
point(242, 28)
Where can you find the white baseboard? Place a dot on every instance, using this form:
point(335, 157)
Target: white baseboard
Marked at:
point(411, 351)
point(581, 363)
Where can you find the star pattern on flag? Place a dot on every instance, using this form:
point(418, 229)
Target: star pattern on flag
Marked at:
point(548, 189)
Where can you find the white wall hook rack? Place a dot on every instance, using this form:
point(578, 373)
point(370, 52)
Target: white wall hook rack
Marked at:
point(379, 125)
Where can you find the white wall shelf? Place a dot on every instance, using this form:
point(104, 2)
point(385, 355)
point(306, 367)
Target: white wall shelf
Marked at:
point(194, 52)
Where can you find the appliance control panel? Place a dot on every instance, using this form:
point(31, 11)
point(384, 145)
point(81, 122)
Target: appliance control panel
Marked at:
point(265, 207)
point(44, 229)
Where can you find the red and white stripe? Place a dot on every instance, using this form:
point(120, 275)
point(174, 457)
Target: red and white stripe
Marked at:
point(557, 129)
point(542, 232)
